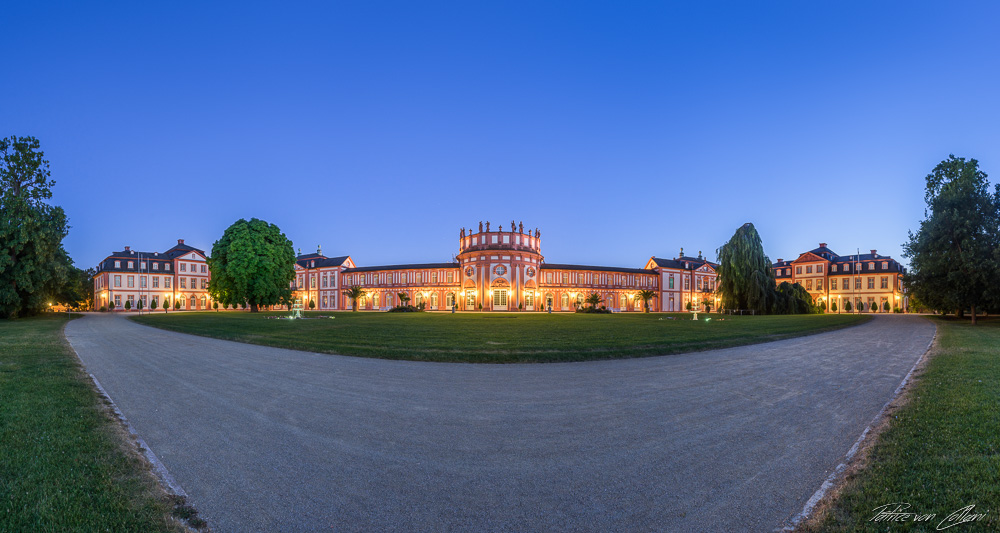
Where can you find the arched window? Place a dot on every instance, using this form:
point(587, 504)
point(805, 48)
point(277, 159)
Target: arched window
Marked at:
point(564, 301)
point(623, 302)
point(449, 299)
point(434, 300)
point(549, 301)
point(388, 300)
point(579, 299)
point(375, 299)
point(204, 302)
point(194, 302)
point(418, 299)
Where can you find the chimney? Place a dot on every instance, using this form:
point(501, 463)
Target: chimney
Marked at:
point(682, 252)
point(874, 253)
point(822, 245)
point(128, 248)
point(699, 254)
point(319, 249)
point(780, 259)
point(180, 241)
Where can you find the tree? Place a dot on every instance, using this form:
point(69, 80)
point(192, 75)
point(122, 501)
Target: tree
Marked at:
point(128, 305)
point(593, 299)
point(708, 305)
point(792, 299)
point(355, 292)
point(177, 304)
point(953, 259)
point(111, 305)
point(885, 306)
point(646, 296)
point(312, 304)
point(153, 304)
point(822, 307)
point(689, 306)
point(138, 304)
point(215, 305)
point(746, 280)
point(166, 304)
point(833, 306)
point(34, 267)
point(847, 306)
point(252, 264)
point(403, 298)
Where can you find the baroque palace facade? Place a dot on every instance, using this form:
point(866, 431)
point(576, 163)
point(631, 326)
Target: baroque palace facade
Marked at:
point(504, 270)
point(866, 280)
point(498, 270)
point(178, 275)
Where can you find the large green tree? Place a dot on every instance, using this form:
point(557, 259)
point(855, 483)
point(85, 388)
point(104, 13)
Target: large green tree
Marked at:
point(745, 277)
point(253, 264)
point(953, 261)
point(34, 267)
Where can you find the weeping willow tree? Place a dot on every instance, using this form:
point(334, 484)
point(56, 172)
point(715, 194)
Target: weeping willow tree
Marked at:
point(745, 277)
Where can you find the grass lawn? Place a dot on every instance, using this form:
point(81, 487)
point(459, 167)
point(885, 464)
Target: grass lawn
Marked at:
point(64, 462)
point(495, 337)
point(941, 450)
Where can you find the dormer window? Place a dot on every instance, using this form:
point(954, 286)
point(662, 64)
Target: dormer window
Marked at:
point(156, 266)
point(118, 264)
point(833, 268)
point(166, 266)
point(871, 266)
point(885, 265)
point(131, 264)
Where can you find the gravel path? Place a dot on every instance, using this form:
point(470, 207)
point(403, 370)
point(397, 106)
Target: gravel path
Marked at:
point(265, 439)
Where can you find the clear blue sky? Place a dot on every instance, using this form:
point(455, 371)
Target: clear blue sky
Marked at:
point(622, 130)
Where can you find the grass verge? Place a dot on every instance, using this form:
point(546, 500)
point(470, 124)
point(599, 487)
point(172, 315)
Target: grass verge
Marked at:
point(65, 463)
point(940, 450)
point(496, 337)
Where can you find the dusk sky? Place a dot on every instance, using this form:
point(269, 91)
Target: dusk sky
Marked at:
point(620, 129)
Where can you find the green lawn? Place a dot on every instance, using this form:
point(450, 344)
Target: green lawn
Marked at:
point(941, 451)
point(64, 462)
point(495, 337)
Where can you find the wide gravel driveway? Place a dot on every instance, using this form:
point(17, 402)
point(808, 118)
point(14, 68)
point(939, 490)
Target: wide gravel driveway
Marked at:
point(264, 439)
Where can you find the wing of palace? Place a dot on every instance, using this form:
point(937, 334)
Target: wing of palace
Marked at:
point(494, 270)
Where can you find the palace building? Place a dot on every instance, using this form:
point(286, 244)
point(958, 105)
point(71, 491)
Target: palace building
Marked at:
point(178, 275)
point(504, 270)
point(866, 280)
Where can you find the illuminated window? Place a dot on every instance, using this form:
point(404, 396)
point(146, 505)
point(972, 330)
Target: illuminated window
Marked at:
point(819, 284)
point(857, 284)
point(833, 284)
point(564, 301)
point(885, 282)
point(809, 284)
point(434, 277)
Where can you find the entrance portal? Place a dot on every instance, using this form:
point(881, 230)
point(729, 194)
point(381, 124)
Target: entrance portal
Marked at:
point(500, 299)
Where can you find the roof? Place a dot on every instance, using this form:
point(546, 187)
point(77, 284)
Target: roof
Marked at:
point(892, 266)
point(181, 249)
point(416, 266)
point(321, 260)
point(683, 263)
point(556, 266)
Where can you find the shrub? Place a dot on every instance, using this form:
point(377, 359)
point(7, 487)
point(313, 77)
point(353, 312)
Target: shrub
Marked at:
point(312, 304)
point(885, 306)
point(177, 304)
point(833, 306)
point(104, 308)
point(847, 306)
point(128, 305)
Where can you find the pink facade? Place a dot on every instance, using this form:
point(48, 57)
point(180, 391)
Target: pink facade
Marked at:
point(499, 270)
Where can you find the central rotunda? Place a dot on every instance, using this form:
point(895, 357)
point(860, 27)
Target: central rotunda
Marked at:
point(502, 266)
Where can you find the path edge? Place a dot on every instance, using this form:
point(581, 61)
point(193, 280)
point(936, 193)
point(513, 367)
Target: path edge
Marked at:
point(834, 478)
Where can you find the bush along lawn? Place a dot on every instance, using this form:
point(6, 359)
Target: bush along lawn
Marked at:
point(498, 337)
point(65, 463)
point(940, 453)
